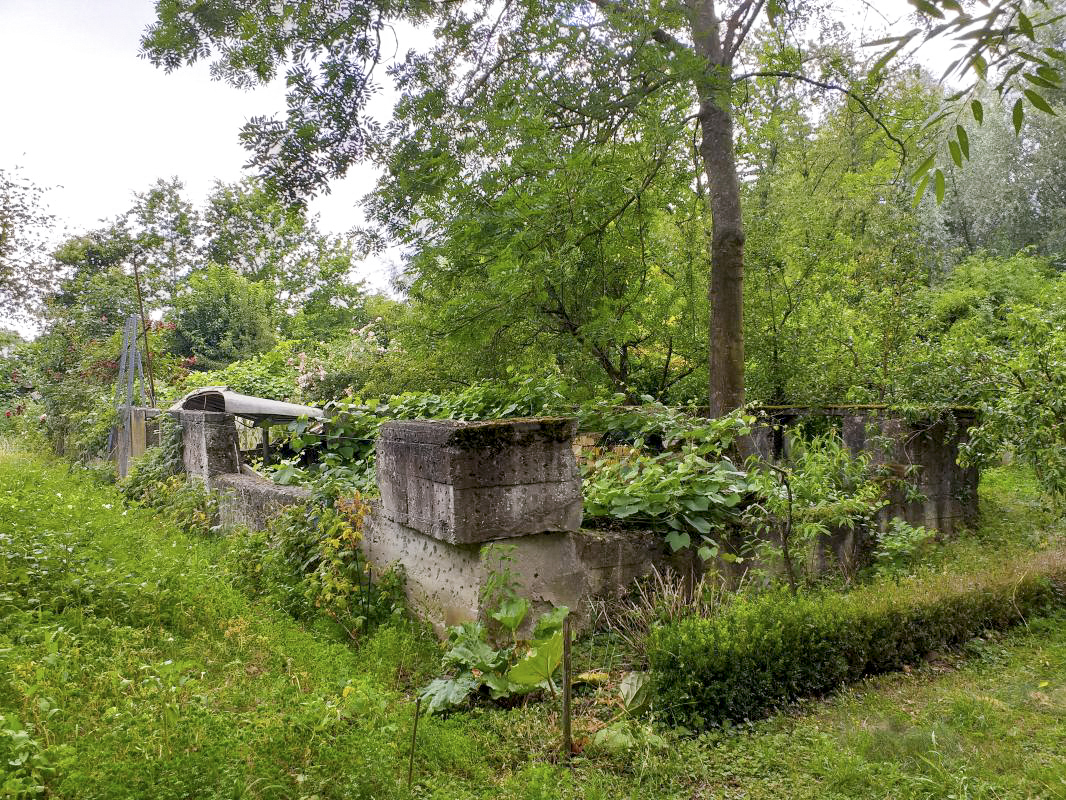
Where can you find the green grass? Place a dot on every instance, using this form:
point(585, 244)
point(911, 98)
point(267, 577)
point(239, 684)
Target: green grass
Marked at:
point(130, 666)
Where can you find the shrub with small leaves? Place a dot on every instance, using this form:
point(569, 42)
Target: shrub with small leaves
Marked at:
point(763, 651)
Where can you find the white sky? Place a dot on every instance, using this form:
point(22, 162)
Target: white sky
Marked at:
point(88, 118)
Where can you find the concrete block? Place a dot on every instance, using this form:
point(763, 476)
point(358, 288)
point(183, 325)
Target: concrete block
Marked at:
point(251, 501)
point(444, 581)
point(209, 444)
point(468, 482)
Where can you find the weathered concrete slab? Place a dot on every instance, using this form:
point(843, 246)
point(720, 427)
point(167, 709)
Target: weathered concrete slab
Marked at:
point(251, 501)
point(209, 444)
point(924, 453)
point(444, 581)
point(470, 482)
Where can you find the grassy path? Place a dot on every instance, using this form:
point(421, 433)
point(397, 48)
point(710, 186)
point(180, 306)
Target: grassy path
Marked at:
point(131, 667)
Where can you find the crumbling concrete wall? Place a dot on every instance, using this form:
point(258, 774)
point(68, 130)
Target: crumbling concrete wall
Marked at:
point(211, 456)
point(551, 569)
point(915, 453)
point(461, 500)
point(208, 444)
point(923, 453)
point(251, 501)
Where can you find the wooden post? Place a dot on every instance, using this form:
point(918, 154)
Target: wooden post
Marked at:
point(138, 432)
point(266, 445)
point(568, 744)
point(414, 738)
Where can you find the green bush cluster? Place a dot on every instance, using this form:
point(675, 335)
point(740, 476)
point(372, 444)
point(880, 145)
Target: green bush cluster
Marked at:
point(308, 564)
point(766, 650)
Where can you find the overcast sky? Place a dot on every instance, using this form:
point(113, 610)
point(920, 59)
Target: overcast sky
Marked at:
point(84, 115)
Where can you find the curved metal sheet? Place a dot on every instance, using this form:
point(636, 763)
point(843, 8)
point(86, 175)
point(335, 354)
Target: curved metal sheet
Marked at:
point(220, 398)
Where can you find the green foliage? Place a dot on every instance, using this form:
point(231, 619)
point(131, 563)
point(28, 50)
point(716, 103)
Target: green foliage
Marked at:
point(900, 547)
point(514, 669)
point(24, 279)
point(342, 448)
point(222, 317)
point(308, 563)
point(143, 636)
point(767, 650)
point(270, 375)
point(1027, 417)
point(684, 493)
point(122, 625)
point(156, 480)
point(822, 489)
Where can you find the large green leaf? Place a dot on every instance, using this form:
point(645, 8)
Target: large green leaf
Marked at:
point(445, 693)
point(635, 691)
point(511, 612)
point(549, 623)
point(539, 664)
point(469, 650)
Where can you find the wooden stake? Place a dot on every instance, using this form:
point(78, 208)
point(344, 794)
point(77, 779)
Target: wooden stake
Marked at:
point(414, 736)
point(568, 744)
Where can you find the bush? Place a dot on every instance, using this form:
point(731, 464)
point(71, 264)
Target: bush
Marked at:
point(308, 563)
point(766, 650)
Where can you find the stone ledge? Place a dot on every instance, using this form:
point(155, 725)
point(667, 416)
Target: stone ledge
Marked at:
point(251, 501)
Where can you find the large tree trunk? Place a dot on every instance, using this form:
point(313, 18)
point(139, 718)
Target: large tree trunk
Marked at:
point(725, 290)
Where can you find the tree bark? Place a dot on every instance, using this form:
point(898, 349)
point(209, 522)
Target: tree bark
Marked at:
point(725, 290)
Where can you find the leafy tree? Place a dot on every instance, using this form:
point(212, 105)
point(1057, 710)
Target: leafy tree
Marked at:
point(248, 230)
point(165, 231)
point(24, 277)
point(534, 236)
point(221, 317)
point(98, 292)
point(1014, 197)
point(699, 50)
point(836, 252)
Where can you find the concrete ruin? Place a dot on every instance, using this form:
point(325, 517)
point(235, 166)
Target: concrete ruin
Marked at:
point(461, 501)
point(919, 458)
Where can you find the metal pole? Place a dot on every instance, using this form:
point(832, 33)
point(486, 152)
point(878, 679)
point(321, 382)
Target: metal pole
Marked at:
point(266, 446)
point(144, 327)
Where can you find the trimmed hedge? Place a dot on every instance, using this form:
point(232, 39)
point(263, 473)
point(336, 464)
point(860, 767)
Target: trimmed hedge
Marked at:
point(767, 650)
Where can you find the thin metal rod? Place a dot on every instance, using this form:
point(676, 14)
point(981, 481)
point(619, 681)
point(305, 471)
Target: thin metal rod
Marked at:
point(414, 737)
point(266, 446)
point(130, 365)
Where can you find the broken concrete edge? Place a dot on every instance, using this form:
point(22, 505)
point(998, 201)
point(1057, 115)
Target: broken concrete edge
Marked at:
point(445, 583)
point(481, 435)
point(251, 501)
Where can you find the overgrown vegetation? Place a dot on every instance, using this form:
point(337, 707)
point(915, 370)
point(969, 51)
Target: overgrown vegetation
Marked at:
point(131, 665)
point(555, 203)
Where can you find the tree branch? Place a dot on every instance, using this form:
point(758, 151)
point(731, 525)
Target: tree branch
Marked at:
point(661, 36)
point(836, 87)
point(732, 46)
